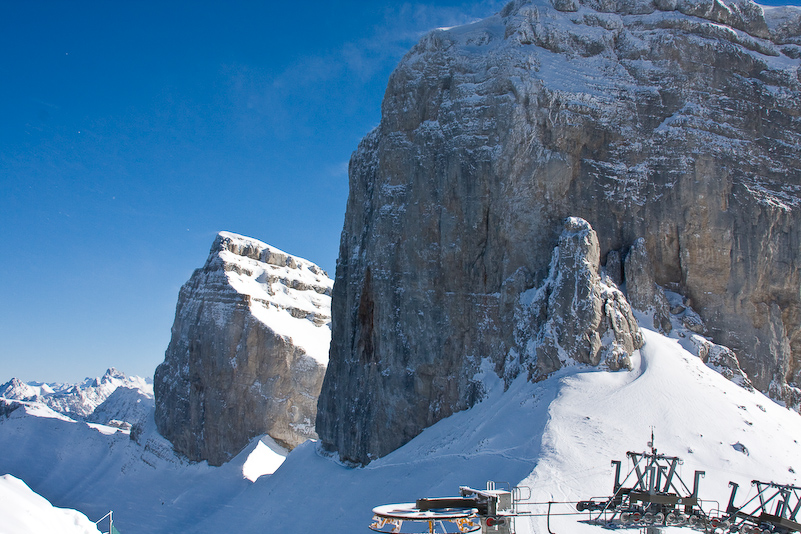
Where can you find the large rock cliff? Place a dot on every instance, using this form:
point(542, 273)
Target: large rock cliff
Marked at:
point(248, 351)
point(675, 121)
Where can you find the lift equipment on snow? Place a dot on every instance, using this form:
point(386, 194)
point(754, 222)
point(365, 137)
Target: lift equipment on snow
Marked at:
point(489, 510)
point(658, 495)
point(650, 496)
point(775, 508)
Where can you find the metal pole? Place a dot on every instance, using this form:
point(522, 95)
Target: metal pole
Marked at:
point(549, 518)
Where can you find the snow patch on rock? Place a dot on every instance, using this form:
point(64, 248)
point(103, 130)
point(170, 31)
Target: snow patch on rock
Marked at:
point(290, 295)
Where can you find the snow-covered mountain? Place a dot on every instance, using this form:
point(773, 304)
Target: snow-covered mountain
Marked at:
point(632, 142)
point(80, 401)
point(556, 437)
point(248, 351)
point(672, 121)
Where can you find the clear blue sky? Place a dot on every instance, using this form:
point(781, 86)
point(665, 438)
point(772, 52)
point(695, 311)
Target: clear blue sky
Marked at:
point(132, 132)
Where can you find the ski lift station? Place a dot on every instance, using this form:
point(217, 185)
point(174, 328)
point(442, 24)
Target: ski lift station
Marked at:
point(650, 496)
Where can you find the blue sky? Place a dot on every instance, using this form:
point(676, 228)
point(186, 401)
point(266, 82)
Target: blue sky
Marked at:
point(134, 131)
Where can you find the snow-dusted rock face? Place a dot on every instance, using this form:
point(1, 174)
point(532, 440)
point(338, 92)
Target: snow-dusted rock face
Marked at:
point(641, 289)
point(719, 358)
point(248, 351)
point(673, 120)
point(575, 316)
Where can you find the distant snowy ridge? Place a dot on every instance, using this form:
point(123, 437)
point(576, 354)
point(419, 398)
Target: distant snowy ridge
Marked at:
point(81, 401)
point(248, 351)
point(96, 468)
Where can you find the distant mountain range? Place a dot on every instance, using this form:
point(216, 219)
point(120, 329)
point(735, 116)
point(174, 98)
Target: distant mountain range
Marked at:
point(95, 399)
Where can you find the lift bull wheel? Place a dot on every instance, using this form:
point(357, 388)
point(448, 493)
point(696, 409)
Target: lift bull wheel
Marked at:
point(409, 519)
point(487, 510)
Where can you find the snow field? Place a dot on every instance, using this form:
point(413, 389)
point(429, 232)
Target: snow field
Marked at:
point(556, 437)
point(24, 512)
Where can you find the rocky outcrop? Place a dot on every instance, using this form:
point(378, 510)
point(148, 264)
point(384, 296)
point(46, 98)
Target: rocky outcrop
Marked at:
point(719, 358)
point(574, 315)
point(676, 121)
point(248, 351)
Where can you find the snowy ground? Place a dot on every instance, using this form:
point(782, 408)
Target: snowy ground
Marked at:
point(556, 437)
point(23, 511)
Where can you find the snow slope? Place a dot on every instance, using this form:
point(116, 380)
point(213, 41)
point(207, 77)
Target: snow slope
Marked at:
point(556, 437)
point(23, 512)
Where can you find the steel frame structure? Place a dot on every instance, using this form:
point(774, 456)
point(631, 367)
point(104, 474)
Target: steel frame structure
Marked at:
point(774, 508)
point(658, 495)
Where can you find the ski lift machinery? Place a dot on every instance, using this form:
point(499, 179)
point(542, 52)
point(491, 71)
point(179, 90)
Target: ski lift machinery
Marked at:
point(657, 496)
point(774, 508)
point(650, 496)
point(490, 510)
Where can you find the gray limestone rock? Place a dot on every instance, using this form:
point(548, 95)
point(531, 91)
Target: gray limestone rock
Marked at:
point(720, 358)
point(673, 120)
point(614, 267)
point(641, 290)
point(575, 315)
point(248, 352)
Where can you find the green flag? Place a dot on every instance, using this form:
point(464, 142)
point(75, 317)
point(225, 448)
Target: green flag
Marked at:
point(113, 530)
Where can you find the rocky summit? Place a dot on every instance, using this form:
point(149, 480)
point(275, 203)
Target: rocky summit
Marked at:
point(672, 127)
point(248, 351)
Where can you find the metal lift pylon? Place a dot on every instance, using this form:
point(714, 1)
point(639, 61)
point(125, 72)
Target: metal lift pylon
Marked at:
point(774, 509)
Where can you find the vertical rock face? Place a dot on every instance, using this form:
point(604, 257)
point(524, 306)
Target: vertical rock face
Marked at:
point(675, 121)
point(641, 289)
point(248, 351)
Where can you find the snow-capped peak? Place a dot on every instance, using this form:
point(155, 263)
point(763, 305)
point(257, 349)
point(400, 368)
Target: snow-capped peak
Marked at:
point(291, 295)
point(76, 400)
